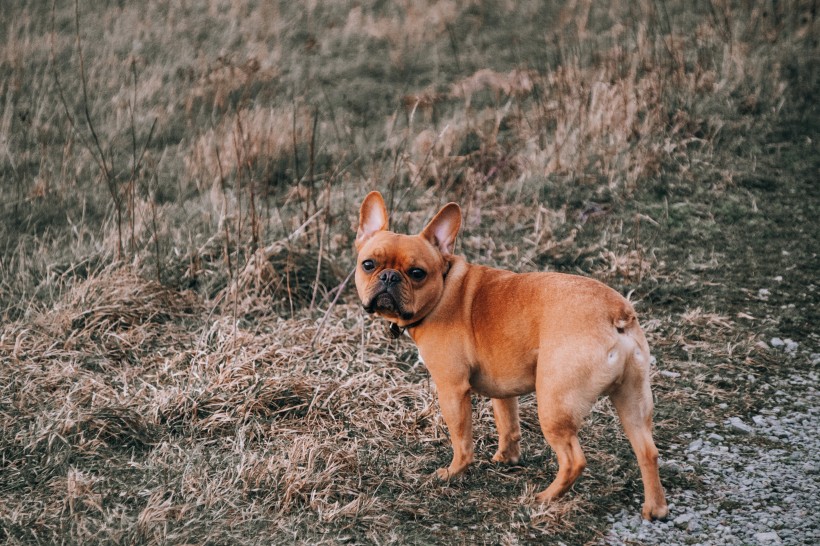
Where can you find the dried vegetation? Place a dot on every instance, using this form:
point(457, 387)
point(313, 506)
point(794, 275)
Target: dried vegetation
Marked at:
point(181, 357)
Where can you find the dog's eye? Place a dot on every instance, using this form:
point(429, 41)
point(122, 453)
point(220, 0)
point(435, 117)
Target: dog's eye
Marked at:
point(368, 265)
point(417, 274)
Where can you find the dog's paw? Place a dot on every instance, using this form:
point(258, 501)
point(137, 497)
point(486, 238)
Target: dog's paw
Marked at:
point(450, 472)
point(442, 474)
point(508, 456)
point(544, 497)
point(652, 512)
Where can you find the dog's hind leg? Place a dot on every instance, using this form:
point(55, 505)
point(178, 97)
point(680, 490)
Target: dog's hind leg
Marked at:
point(561, 410)
point(562, 434)
point(633, 401)
point(505, 411)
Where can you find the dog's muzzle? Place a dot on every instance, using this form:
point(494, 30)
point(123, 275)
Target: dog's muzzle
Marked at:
point(383, 301)
point(389, 278)
point(388, 295)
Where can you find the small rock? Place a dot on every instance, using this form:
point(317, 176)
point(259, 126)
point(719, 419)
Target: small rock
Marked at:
point(768, 538)
point(764, 294)
point(667, 373)
point(682, 521)
point(776, 342)
point(759, 420)
point(791, 346)
point(675, 467)
point(781, 432)
point(695, 446)
point(715, 437)
point(810, 468)
point(738, 425)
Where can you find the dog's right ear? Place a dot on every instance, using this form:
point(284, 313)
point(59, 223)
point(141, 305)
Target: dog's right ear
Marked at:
point(372, 218)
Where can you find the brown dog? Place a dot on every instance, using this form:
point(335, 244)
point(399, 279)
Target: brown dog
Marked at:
point(501, 334)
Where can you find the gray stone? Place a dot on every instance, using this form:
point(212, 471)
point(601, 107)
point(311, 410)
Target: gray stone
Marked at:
point(770, 537)
point(737, 424)
point(683, 520)
point(695, 446)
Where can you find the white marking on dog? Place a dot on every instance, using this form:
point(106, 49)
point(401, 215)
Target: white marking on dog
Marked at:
point(613, 358)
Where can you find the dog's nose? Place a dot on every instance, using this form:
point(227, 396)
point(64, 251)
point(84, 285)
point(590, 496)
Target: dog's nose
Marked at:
point(390, 277)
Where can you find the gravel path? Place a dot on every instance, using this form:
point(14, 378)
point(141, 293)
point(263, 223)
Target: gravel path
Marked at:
point(760, 474)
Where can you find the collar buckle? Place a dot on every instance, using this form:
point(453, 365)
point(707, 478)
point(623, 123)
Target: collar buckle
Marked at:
point(395, 330)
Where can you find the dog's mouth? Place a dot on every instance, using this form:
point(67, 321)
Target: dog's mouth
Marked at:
point(385, 302)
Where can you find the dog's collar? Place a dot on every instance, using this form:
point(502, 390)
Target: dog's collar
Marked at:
point(396, 331)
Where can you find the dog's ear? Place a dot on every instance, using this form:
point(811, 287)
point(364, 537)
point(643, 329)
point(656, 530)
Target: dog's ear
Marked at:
point(443, 228)
point(372, 217)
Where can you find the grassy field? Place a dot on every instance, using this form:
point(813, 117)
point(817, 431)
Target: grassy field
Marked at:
point(181, 357)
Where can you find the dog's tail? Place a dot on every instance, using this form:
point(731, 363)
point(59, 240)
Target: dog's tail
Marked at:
point(625, 321)
point(624, 318)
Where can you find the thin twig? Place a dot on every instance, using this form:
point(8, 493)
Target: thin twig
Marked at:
point(107, 171)
point(224, 213)
point(318, 267)
point(339, 290)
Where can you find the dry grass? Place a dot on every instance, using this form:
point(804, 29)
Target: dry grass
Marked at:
point(134, 412)
point(227, 399)
point(248, 140)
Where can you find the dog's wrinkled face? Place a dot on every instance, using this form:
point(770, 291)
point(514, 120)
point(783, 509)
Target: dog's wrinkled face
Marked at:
point(401, 277)
point(397, 275)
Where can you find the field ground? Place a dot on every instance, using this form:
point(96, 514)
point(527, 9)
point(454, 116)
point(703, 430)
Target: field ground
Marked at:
point(179, 187)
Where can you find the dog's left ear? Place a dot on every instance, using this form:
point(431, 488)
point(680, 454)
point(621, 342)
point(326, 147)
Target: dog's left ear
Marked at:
point(372, 217)
point(443, 228)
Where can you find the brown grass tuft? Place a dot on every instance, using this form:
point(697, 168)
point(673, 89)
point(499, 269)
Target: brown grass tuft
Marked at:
point(253, 138)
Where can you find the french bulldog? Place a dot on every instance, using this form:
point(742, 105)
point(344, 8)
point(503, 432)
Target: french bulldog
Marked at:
point(501, 334)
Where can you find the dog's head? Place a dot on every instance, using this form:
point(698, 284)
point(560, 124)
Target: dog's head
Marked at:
point(401, 277)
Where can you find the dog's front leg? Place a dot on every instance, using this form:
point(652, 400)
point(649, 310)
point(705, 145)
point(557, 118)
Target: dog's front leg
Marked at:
point(505, 411)
point(457, 411)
